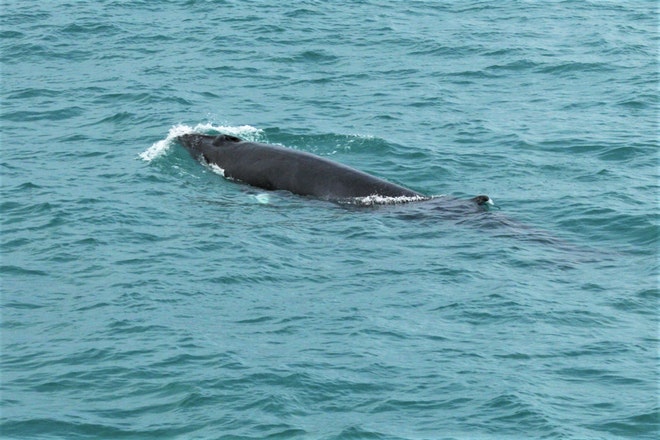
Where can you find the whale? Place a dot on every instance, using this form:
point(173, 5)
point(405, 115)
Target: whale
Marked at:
point(273, 167)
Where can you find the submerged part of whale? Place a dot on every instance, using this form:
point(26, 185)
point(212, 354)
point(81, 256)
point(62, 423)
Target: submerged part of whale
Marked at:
point(272, 167)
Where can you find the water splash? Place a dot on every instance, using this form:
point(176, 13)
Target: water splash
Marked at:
point(162, 146)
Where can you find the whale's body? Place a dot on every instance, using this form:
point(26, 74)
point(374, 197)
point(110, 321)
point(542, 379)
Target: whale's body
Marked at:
point(272, 167)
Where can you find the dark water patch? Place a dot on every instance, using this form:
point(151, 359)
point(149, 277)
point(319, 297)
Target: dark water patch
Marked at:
point(517, 414)
point(137, 97)
point(10, 34)
point(88, 242)
point(269, 29)
point(397, 405)
point(86, 29)
point(209, 95)
point(469, 76)
point(432, 102)
point(638, 103)
point(12, 244)
point(439, 50)
point(576, 374)
point(21, 271)
point(503, 53)
point(49, 428)
point(270, 404)
point(45, 53)
point(622, 153)
point(303, 13)
point(316, 81)
point(399, 73)
point(8, 166)
point(33, 93)
point(610, 220)
point(94, 306)
point(308, 56)
point(27, 186)
point(22, 305)
point(643, 425)
point(591, 176)
point(592, 106)
point(117, 118)
point(639, 303)
point(650, 294)
point(23, 16)
point(93, 154)
point(513, 66)
point(258, 320)
point(61, 114)
point(568, 68)
point(22, 210)
point(356, 432)
point(578, 319)
point(129, 327)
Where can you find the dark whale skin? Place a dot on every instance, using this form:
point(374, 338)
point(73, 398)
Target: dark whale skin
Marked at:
point(272, 167)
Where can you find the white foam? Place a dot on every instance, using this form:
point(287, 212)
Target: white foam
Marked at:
point(375, 199)
point(161, 147)
point(262, 198)
point(216, 169)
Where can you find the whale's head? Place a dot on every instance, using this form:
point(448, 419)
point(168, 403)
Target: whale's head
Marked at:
point(191, 141)
point(195, 141)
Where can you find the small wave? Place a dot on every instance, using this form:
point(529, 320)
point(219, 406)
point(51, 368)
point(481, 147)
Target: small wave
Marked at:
point(17, 270)
point(161, 147)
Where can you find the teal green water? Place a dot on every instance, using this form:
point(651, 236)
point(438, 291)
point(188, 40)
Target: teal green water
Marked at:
point(144, 296)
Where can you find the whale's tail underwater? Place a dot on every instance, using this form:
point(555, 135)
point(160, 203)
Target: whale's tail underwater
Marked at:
point(273, 167)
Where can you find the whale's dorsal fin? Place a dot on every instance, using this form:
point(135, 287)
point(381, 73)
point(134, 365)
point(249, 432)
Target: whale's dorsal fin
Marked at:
point(220, 139)
point(482, 200)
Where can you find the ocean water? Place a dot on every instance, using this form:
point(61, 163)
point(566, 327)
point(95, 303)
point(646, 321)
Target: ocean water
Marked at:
point(144, 296)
